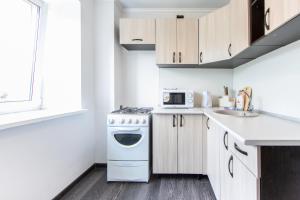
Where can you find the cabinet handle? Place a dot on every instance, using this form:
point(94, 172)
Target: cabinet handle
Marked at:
point(240, 150)
point(230, 163)
point(207, 124)
point(180, 57)
point(229, 49)
point(137, 39)
point(201, 57)
point(173, 57)
point(174, 120)
point(267, 19)
point(181, 120)
point(225, 137)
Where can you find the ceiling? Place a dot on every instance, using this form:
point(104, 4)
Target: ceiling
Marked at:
point(173, 3)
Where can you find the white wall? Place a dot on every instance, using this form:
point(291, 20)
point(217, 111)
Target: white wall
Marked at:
point(118, 58)
point(198, 80)
point(40, 160)
point(274, 78)
point(104, 71)
point(140, 79)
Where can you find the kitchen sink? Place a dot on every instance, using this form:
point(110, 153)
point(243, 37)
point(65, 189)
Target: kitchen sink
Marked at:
point(237, 113)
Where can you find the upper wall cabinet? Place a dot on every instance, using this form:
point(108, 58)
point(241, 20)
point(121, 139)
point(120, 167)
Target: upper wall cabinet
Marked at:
point(166, 47)
point(278, 12)
point(176, 42)
point(224, 33)
point(228, 37)
point(239, 26)
point(214, 38)
point(137, 34)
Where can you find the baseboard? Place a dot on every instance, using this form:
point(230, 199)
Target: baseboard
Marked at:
point(71, 185)
point(100, 165)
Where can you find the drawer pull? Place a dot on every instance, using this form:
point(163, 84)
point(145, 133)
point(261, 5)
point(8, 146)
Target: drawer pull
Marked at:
point(240, 150)
point(201, 57)
point(174, 60)
point(207, 124)
point(230, 163)
point(229, 49)
point(137, 39)
point(180, 57)
point(225, 138)
point(181, 120)
point(174, 120)
point(267, 19)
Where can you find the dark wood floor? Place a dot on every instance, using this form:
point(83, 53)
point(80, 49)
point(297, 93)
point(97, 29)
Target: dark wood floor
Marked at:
point(95, 187)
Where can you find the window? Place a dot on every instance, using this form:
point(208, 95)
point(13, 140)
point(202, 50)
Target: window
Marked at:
point(20, 52)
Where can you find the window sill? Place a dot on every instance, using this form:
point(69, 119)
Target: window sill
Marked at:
point(31, 117)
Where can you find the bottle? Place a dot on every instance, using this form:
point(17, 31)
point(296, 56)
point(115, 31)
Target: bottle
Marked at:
point(206, 99)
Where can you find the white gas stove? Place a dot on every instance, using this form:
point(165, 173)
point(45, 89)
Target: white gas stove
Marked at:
point(128, 143)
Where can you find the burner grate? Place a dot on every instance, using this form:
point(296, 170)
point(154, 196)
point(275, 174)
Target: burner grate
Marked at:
point(134, 110)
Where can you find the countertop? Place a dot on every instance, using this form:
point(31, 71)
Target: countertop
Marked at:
point(178, 111)
point(263, 130)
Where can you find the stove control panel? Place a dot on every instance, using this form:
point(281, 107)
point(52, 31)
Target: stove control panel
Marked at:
point(127, 120)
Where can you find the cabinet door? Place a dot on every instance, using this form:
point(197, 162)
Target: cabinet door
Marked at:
point(187, 41)
point(190, 144)
point(207, 35)
point(214, 36)
point(222, 39)
point(239, 25)
point(225, 168)
point(165, 144)
point(137, 31)
point(279, 12)
point(245, 184)
point(213, 157)
point(204, 38)
point(166, 49)
point(204, 144)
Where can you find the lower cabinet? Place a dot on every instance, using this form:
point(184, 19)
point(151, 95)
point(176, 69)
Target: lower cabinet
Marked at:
point(164, 144)
point(226, 183)
point(177, 144)
point(213, 156)
point(245, 184)
point(230, 178)
point(190, 144)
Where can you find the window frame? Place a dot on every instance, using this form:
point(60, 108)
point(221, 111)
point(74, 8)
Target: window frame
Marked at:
point(36, 100)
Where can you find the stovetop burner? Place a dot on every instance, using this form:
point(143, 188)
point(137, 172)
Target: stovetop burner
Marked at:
point(133, 110)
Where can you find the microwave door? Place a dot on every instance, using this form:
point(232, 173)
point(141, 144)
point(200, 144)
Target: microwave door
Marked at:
point(174, 99)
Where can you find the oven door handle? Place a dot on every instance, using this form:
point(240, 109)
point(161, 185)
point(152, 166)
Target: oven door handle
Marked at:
point(126, 130)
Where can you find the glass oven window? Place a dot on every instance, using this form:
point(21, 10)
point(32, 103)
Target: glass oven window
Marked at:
point(128, 139)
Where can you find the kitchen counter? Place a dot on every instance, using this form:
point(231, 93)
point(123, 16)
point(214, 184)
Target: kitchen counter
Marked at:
point(263, 130)
point(191, 111)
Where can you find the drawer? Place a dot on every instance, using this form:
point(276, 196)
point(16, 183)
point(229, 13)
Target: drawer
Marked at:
point(133, 171)
point(248, 155)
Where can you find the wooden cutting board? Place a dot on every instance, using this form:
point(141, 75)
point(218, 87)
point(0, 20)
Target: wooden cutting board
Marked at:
point(248, 91)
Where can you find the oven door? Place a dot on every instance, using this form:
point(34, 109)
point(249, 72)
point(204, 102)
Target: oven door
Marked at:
point(174, 99)
point(128, 143)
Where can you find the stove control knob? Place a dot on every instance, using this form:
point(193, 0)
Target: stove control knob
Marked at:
point(137, 121)
point(122, 121)
point(111, 121)
point(144, 121)
point(129, 121)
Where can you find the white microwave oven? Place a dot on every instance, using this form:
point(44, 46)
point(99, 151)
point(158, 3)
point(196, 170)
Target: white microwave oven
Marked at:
point(174, 98)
